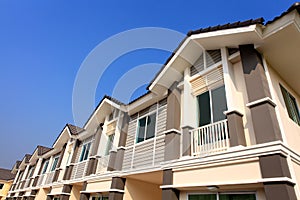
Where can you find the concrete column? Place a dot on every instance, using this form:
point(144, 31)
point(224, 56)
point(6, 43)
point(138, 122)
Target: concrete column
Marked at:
point(276, 166)
point(172, 134)
point(92, 165)
point(186, 140)
point(122, 141)
point(236, 128)
point(262, 108)
point(169, 193)
point(69, 168)
point(57, 170)
point(117, 185)
point(84, 196)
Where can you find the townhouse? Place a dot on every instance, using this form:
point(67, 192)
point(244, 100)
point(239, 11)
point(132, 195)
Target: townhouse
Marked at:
point(220, 120)
point(6, 179)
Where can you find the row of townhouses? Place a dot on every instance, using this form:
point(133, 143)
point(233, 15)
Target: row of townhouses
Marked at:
point(220, 121)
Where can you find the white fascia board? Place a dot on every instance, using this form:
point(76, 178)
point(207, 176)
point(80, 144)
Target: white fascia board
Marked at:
point(278, 25)
point(231, 31)
point(60, 135)
point(187, 40)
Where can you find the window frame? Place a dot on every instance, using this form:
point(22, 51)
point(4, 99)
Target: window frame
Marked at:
point(84, 155)
point(109, 143)
point(211, 107)
point(45, 167)
point(55, 161)
point(290, 109)
point(147, 115)
point(220, 193)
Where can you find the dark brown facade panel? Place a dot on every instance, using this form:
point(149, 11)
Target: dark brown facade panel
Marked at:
point(115, 196)
point(119, 184)
point(186, 141)
point(236, 129)
point(91, 166)
point(173, 108)
point(254, 73)
point(124, 130)
point(119, 159)
point(111, 162)
point(167, 177)
point(172, 146)
point(279, 191)
point(64, 197)
point(265, 123)
point(84, 196)
point(170, 194)
point(67, 188)
point(274, 166)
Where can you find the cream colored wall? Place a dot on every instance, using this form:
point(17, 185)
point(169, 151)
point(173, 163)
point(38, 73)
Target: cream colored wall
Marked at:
point(75, 192)
point(222, 173)
point(242, 99)
point(42, 194)
point(296, 169)
point(137, 190)
point(5, 189)
point(98, 186)
point(290, 128)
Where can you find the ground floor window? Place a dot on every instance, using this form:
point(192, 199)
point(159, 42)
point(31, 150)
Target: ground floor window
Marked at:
point(96, 197)
point(220, 196)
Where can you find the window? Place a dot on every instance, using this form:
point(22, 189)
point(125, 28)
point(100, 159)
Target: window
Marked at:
point(146, 127)
point(99, 198)
point(222, 197)
point(54, 164)
point(109, 144)
point(1, 185)
point(291, 105)
point(56, 198)
point(211, 106)
point(85, 151)
point(45, 167)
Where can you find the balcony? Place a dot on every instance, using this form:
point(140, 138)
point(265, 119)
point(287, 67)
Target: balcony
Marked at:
point(102, 164)
point(210, 139)
point(27, 183)
point(79, 170)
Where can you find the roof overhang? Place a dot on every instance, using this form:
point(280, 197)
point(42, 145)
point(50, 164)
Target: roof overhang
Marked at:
point(192, 47)
point(105, 107)
point(64, 136)
point(281, 48)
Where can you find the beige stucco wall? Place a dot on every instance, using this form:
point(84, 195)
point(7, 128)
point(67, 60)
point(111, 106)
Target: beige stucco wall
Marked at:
point(296, 170)
point(290, 128)
point(75, 192)
point(223, 173)
point(42, 194)
point(98, 186)
point(5, 189)
point(137, 190)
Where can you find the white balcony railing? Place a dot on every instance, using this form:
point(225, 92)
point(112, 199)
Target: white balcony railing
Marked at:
point(102, 164)
point(27, 183)
point(79, 170)
point(49, 178)
point(210, 139)
point(41, 180)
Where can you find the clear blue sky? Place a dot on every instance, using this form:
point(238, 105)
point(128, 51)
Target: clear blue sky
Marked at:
point(43, 44)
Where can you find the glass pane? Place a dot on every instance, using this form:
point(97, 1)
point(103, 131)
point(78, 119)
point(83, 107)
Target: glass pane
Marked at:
point(291, 105)
point(45, 167)
point(82, 153)
point(141, 130)
point(109, 143)
point(202, 197)
point(204, 109)
point(219, 103)
point(87, 151)
point(54, 164)
point(294, 108)
point(104, 198)
point(237, 197)
point(151, 126)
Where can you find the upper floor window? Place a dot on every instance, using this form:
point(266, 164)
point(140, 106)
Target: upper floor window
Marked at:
point(109, 143)
point(1, 185)
point(45, 167)
point(54, 164)
point(291, 105)
point(206, 60)
point(212, 105)
point(85, 151)
point(31, 170)
point(97, 197)
point(146, 127)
